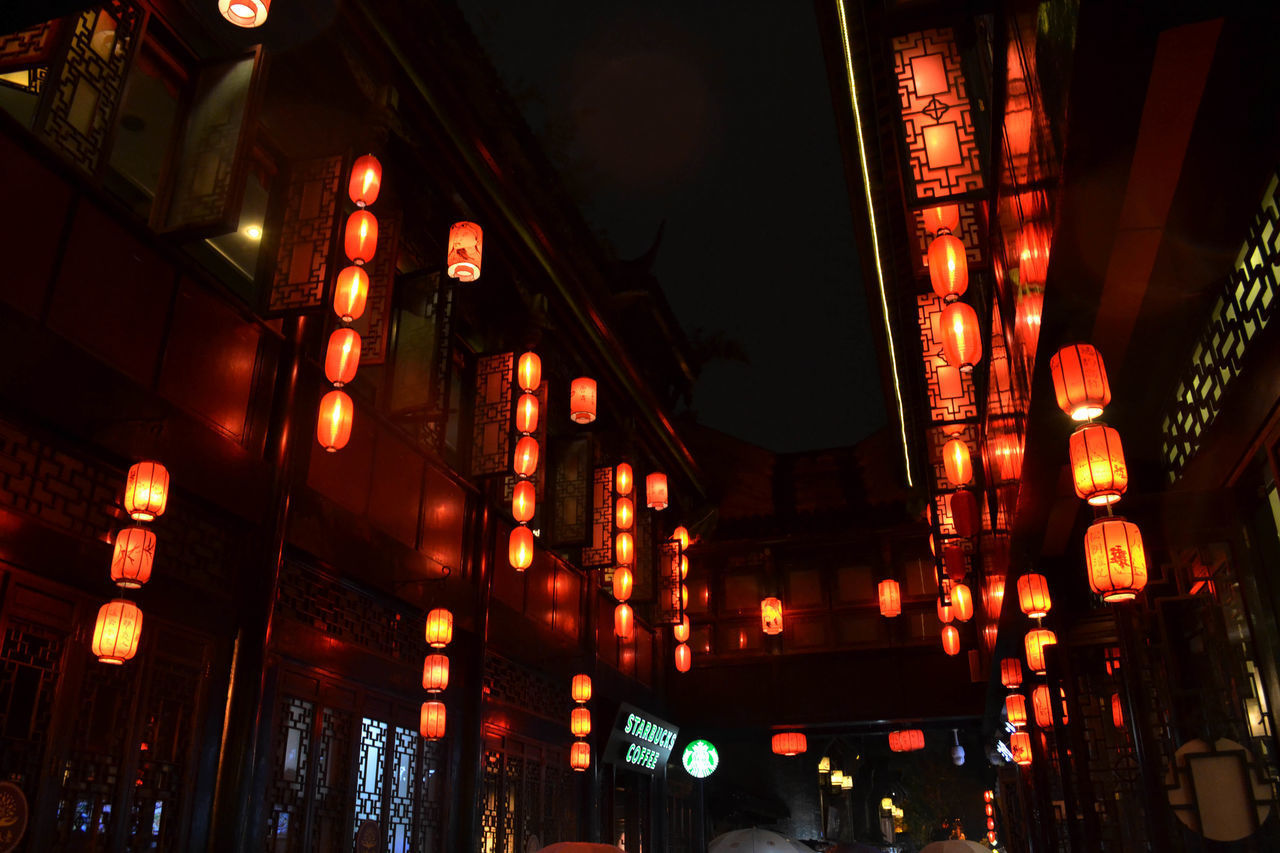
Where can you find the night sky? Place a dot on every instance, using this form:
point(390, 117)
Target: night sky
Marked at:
point(717, 120)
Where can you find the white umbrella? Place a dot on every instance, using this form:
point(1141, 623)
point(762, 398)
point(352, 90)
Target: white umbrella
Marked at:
point(755, 841)
point(580, 847)
point(953, 845)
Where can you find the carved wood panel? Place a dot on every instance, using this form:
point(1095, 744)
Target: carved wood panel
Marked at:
point(307, 235)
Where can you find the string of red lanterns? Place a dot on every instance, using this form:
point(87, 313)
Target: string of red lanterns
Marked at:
point(580, 722)
point(525, 461)
point(680, 631)
point(438, 631)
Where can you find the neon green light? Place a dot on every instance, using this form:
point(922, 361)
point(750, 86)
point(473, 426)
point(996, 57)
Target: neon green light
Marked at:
point(875, 236)
point(700, 759)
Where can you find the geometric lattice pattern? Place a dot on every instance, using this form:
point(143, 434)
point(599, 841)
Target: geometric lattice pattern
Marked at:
point(29, 47)
point(525, 798)
point(1240, 313)
point(532, 692)
point(306, 235)
point(30, 664)
point(374, 325)
point(600, 553)
point(491, 421)
point(951, 396)
point(970, 231)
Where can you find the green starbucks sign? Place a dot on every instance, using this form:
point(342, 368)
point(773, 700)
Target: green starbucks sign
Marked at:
point(700, 759)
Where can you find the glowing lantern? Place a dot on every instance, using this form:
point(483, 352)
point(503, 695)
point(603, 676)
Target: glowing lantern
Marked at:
point(1036, 641)
point(131, 560)
point(953, 559)
point(525, 460)
point(989, 796)
point(435, 673)
point(245, 13)
point(350, 293)
point(948, 267)
point(909, 740)
point(961, 336)
point(623, 479)
point(624, 548)
point(1097, 464)
point(117, 631)
point(431, 721)
point(989, 809)
point(529, 372)
point(1042, 702)
point(890, 598)
point(361, 240)
point(580, 755)
point(682, 536)
point(1032, 249)
point(580, 722)
point(520, 549)
point(1033, 595)
point(366, 180)
point(942, 218)
point(1117, 711)
point(523, 501)
point(993, 596)
point(1015, 709)
point(623, 623)
point(622, 583)
point(961, 603)
point(333, 427)
point(466, 245)
point(146, 491)
point(945, 614)
point(684, 596)
point(681, 631)
point(580, 688)
point(1011, 672)
point(991, 823)
point(684, 567)
point(1116, 559)
point(956, 462)
point(527, 413)
point(655, 490)
point(789, 743)
point(1020, 746)
point(964, 513)
point(771, 616)
point(950, 640)
point(991, 838)
point(990, 633)
point(582, 401)
point(624, 513)
point(342, 356)
point(684, 658)
point(1080, 381)
point(439, 628)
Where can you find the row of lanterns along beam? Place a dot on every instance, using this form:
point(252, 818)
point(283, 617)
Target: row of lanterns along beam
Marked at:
point(989, 807)
point(580, 722)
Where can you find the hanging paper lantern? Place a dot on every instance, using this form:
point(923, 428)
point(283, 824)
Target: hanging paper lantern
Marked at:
point(1042, 703)
point(1117, 711)
point(431, 721)
point(1011, 672)
point(580, 755)
point(131, 559)
point(989, 809)
point(1033, 595)
point(1097, 464)
point(908, 740)
point(146, 491)
point(439, 628)
point(1036, 641)
point(684, 596)
point(622, 583)
point(681, 631)
point(582, 400)
point(117, 631)
point(333, 427)
point(1116, 559)
point(350, 293)
point(684, 658)
point(890, 598)
point(527, 413)
point(1032, 249)
point(523, 501)
point(964, 513)
point(361, 239)
point(520, 549)
point(525, 460)
point(990, 632)
point(1020, 746)
point(624, 548)
point(948, 267)
point(991, 838)
point(945, 613)
point(580, 688)
point(655, 489)
point(1015, 709)
point(366, 180)
point(956, 462)
point(993, 596)
point(961, 603)
point(342, 356)
point(580, 722)
point(435, 673)
point(950, 640)
point(1080, 381)
point(623, 623)
point(682, 536)
point(245, 13)
point(953, 560)
point(941, 218)
point(624, 512)
point(684, 567)
point(961, 336)
point(991, 823)
point(789, 743)
point(529, 372)
point(989, 796)
point(622, 478)
point(771, 616)
point(466, 245)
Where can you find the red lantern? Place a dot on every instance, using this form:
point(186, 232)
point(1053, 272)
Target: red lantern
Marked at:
point(624, 548)
point(942, 218)
point(964, 513)
point(624, 513)
point(1117, 711)
point(580, 688)
point(1020, 746)
point(623, 624)
point(953, 560)
point(682, 536)
point(945, 614)
point(117, 631)
point(131, 560)
point(948, 267)
point(1036, 642)
point(361, 240)
point(655, 489)
point(333, 427)
point(466, 245)
point(681, 631)
point(684, 596)
point(439, 628)
point(1097, 464)
point(993, 596)
point(350, 292)
point(580, 722)
point(1042, 703)
point(1080, 381)
point(529, 372)
point(961, 336)
point(366, 180)
point(1116, 559)
point(582, 401)
point(431, 720)
point(990, 632)
point(342, 357)
point(950, 640)
point(580, 755)
point(520, 549)
point(1032, 249)
point(771, 616)
point(523, 501)
point(890, 598)
point(1011, 672)
point(245, 13)
point(961, 603)
point(525, 461)
point(684, 567)
point(956, 462)
point(989, 809)
point(1015, 709)
point(622, 582)
point(989, 796)
point(622, 480)
point(789, 743)
point(146, 491)
point(1033, 595)
point(526, 413)
point(909, 740)
point(435, 673)
point(991, 824)
point(684, 658)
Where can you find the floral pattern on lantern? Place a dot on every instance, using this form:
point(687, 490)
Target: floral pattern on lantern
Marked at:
point(132, 557)
point(961, 336)
point(582, 401)
point(1097, 464)
point(1116, 559)
point(146, 491)
point(1033, 595)
point(771, 616)
point(890, 598)
point(117, 631)
point(790, 743)
point(466, 246)
point(1037, 640)
point(431, 721)
point(1020, 746)
point(1080, 381)
point(439, 628)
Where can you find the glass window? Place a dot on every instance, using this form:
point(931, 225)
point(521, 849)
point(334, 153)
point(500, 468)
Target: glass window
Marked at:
point(239, 248)
point(144, 130)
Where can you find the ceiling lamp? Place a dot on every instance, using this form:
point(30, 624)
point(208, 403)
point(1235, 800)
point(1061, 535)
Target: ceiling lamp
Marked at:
point(582, 402)
point(789, 743)
point(1097, 464)
point(948, 267)
point(1116, 559)
point(957, 463)
point(890, 598)
point(1033, 595)
point(466, 245)
point(1037, 640)
point(961, 336)
point(146, 491)
point(1080, 381)
point(117, 631)
point(771, 616)
point(245, 13)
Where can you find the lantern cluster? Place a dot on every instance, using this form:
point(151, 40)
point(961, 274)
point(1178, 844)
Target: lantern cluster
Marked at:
point(119, 624)
point(789, 743)
point(435, 673)
point(988, 806)
point(624, 548)
point(680, 631)
point(580, 722)
point(524, 463)
point(949, 274)
point(907, 740)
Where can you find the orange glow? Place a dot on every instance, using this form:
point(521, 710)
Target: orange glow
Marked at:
point(990, 809)
point(945, 613)
point(964, 513)
point(523, 501)
point(361, 240)
point(1011, 672)
point(1033, 595)
point(909, 740)
point(1116, 559)
point(527, 413)
point(948, 267)
point(1041, 703)
point(525, 461)
point(989, 796)
point(990, 633)
point(961, 603)
point(245, 13)
point(624, 513)
point(1015, 709)
point(950, 640)
point(1080, 381)
point(1037, 641)
point(1032, 248)
point(790, 743)
point(580, 688)
point(435, 673)
point(131, 560)
point(146, 491)
point(529, 372)
point(117, 631)
point(366, 180)
point(682, 536)
point(624, 549)
point(771, 616)
point(956, 462)
point(1117, 711)
point(520, 549)
point(1097, 464)
point(622, 583)
point(431, 721)
point(684, 567)
point(623, 479)
point(1005, 451)
point(342, 356)
point(580, 722)
point(466, 245)
point(993, 596)
point(655, 489)
point(684, 596)
point(333, 427)
point(580, 755)
point(439, 628)
point(681, 631)
point(942, 218)
point(582, 401)
point(961, 336)
point(1020, 746)
point(684, 658)
point(350, 293)
point(890, 598)
point(623, 621)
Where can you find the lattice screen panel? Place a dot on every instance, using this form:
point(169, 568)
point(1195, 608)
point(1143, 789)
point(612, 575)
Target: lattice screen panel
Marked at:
point(491, 422)
point(307, 233)
point(950, 392)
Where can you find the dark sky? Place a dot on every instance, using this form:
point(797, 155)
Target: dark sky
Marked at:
point(717, 119)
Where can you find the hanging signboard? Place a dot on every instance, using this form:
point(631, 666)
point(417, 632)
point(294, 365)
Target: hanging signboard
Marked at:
point(640, 741)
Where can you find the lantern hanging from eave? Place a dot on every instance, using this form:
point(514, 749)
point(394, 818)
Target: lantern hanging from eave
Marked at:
point(957, 462)
point(945, 613)
point(580, 688)
point(1033, 595)
point(681, 630)
point(681, 535)
point(655, 490)
point(580, 722)
point(132, 557)
point(965, 516)
point(1117, 711)
point(1011, 672)
point(525, 459)
point(1041, 703)
point(361, 238)
point(527, 413)
point(684, 567)
point(790, 743)
point(961, 603)
point(623, 621)
point(684, 658)
point(466, 245)
point(991, 824)
point(520, 548)
point(991, 838)
point(146, 491)
point(624, 548)
point(1015, 709)
point(1020, 746)
point(366, 180)
point(890, 598)
point(1115, 558)
point(439, 628)
point(1037, 640)
point(350, 293)
point(582, 400)
point(117, 631)
point(431, 721)
point(624, 513)
point(907, 740)
point(941, 218)
point(771, 616)
point(950, 640)
point(993, 596)
point(580, 755)
point(623, 479)
point(1080, 381)
point(622, 583)
point(954, 561)
point(529, 372)
point(435, 673)
point(523, 501)
point(245, 13)
point(948, 267)
point(333, 427)
point(961, 336)
point(1097, 464)
point(342, 357)
point(990, 633)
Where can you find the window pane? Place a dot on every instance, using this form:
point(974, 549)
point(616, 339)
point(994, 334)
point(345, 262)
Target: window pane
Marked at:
point(144, 130)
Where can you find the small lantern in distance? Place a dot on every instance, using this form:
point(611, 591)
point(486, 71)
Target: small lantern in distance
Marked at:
point(366, 180)
point(432, 720)
point(529, 372)
point(890, 598)
point(1080, 381)
point(146, 491)
point(333, 427)
point(466, 245)
point(684, 658)
point(771, 616)
point(789, 743)
point(435, 673)
point(132, 557)
point(520, 548)
point(350, 293)
point(361, 238)
point(655, 489)
point(117, 631)
point(342, 357)
point(580, 688)
point(582, 400)
point(439, 628)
